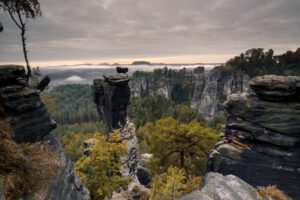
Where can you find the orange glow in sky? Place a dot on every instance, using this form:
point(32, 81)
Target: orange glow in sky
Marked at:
point(187, 59)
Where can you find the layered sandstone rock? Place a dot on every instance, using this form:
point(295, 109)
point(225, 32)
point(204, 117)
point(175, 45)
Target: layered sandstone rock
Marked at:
point(262, 135)
point(30, 121)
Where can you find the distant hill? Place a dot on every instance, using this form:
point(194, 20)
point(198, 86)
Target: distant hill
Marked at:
point(141, 63)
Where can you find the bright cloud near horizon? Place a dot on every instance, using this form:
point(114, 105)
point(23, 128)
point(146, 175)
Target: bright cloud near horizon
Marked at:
point(169, 31)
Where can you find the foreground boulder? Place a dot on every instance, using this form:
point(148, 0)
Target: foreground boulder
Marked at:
point(21, 107)
point(219, 187)
point(261, 142)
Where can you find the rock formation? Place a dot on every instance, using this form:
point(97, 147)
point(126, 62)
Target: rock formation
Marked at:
point(31, 121)
point(261, 142)
point(111, 96)
point(219, 187)
point(212, 89)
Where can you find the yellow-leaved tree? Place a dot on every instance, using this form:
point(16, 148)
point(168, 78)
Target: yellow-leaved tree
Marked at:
point(169, 185)
point(100, 170)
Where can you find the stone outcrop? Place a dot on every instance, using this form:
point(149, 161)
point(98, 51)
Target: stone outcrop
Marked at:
point(30, 121)
point(212, 88)
point(261, 142)
point(219, 187)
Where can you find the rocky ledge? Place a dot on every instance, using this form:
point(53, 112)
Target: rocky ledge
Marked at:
point(261, 142)
point(30, 121)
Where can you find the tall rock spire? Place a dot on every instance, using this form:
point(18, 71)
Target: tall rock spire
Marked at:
point(111, 96)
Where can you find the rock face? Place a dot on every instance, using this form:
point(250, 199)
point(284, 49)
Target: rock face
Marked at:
point(219, 187)
point(212, 89)
point(149, 86)
point(31, 122)
point(66, 185)
point(262, 135)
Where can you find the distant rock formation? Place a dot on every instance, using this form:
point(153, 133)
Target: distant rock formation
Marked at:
point(219, 187)
point(149, 86)
point(262, 135)
point(31, 121)
point(212, 89)
point(141, 63)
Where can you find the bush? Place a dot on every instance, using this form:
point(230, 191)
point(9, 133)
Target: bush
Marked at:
point(25, 169)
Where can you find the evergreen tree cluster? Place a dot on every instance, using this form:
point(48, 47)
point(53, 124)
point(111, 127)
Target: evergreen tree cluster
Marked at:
point(255, 62)
point(74, 104)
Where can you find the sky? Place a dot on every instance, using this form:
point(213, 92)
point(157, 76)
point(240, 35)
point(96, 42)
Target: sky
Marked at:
point(169, 31)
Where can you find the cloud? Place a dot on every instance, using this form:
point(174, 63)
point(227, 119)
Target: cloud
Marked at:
point(75, 79)
point(95, 29)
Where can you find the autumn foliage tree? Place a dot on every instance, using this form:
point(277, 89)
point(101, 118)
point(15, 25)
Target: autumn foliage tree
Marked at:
point(168, 185)
point(20, 12)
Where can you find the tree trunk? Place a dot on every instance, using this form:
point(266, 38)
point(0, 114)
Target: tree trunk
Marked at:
point(25, 50)
point(182, 159)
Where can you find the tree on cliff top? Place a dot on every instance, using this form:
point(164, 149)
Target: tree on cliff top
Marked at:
point(20, 12)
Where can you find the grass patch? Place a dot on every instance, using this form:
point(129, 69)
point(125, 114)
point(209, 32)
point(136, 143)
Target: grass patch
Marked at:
point(25, 169)
point(273, 192)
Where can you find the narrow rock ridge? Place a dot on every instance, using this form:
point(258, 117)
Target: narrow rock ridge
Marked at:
point(212, 89)
point(31, 121)
point(262, 135)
